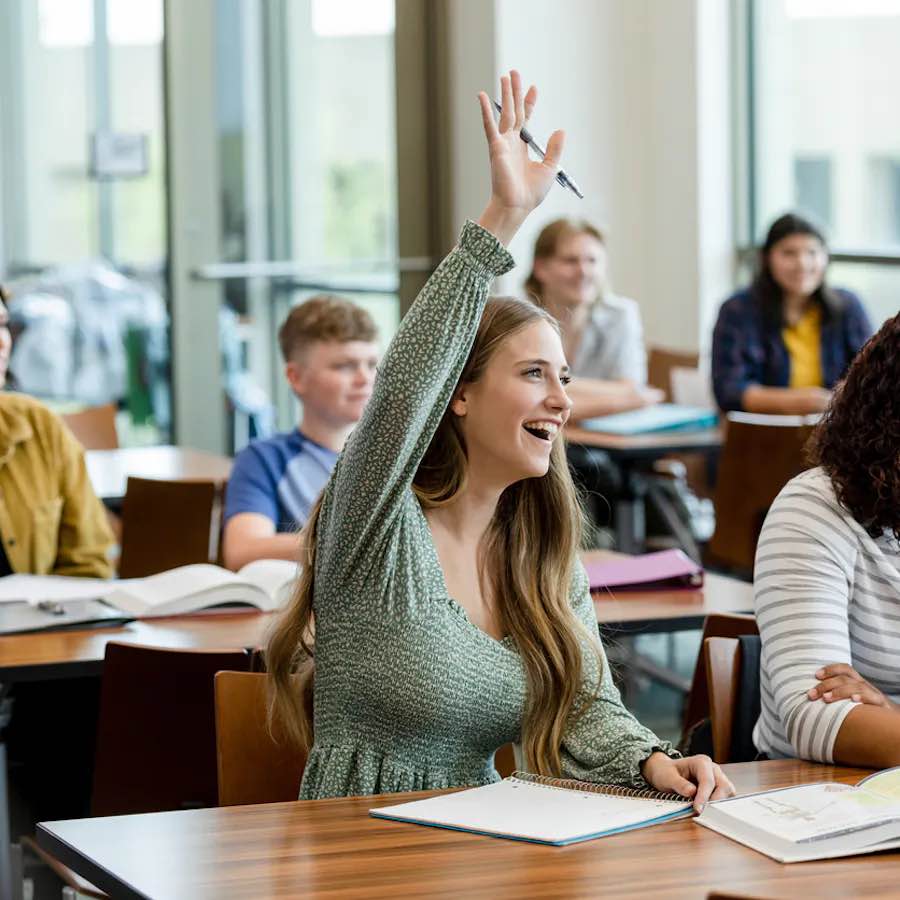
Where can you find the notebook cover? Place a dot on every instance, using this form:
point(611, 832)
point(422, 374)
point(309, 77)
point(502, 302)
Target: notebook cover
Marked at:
point(661, 570)
point(20, 618)
point(652, 419)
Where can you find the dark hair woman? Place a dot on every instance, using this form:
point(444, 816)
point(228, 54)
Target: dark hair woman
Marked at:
point(782, 344)
point(827, 579)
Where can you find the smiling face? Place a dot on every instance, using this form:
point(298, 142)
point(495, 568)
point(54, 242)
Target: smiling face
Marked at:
point(513, 413)
point(573, 275)
point(797, 263)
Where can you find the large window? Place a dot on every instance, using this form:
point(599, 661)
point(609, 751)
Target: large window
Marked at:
point(824, 78)
point(82, 182)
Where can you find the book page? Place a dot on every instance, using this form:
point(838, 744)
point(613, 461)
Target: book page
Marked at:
point(275, 576)
point(812, 811)
point(516, 808)
point(35, 588)
point(185, 581)
point(886, 783)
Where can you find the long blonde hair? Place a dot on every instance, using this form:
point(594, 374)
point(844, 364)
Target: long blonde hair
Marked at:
point(528, 550)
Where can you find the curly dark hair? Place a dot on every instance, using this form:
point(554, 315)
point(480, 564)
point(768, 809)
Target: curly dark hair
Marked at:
point(857, 441)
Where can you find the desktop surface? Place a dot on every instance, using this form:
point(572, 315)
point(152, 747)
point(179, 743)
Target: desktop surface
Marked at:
point(331, 848)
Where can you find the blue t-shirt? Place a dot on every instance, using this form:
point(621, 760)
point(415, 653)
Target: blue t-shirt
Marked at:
point(280, 477)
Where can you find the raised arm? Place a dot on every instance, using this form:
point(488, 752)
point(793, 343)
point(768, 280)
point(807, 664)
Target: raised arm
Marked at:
point(422, 365)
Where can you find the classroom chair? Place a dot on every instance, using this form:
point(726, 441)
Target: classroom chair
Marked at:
point(167, 524)
point(760, 455)
point(156, 738)
point(660, 363)
point(696, 724)
point(94, 427)
point(253, 765)
point(732, 673)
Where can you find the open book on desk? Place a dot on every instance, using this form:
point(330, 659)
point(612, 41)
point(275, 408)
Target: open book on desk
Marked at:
point(813, 821)
point(542, 810)
point(265, 584)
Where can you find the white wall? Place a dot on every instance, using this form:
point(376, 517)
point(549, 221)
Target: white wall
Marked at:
point(642, 90)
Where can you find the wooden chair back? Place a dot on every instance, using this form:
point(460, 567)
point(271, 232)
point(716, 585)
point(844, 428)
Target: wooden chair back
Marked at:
point(94, 427)
point(722, 660)
point(757, 461)
point(167, 524)
point(720, 625)
point(661, 361)
point(253, 766)
point(156, 736)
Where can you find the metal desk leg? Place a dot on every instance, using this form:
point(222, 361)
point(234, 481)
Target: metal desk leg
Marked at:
point(631, 528)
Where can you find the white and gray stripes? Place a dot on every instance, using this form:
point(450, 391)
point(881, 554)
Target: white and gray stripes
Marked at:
point(825, 592)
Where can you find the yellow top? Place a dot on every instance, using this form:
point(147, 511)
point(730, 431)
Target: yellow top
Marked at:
point(51, 522)
point(804, 347)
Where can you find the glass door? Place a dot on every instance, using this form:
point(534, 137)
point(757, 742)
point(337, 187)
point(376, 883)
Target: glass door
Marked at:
point(82, 181)
point(305, 181)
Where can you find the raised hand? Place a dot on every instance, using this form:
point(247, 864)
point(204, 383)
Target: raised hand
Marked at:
point(518, 183)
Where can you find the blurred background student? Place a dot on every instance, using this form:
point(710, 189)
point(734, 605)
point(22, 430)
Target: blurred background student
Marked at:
point(330, 354)
point(603, 341)
point(782, 344)
point(51, 522)
point(602, 334)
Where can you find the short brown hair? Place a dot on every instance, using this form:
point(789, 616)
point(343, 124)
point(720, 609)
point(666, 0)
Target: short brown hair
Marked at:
point(547, 244)
point(857, 440)
point(324, 317)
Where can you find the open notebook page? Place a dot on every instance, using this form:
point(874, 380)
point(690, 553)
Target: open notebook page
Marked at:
point(533, 812)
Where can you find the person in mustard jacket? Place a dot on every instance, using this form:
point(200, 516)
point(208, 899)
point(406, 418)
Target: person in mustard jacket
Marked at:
point(51, 522)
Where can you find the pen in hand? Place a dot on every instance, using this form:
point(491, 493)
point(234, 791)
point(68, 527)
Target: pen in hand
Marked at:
point(561, 175)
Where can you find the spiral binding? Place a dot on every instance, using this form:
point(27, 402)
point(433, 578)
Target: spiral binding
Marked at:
point(608, 790)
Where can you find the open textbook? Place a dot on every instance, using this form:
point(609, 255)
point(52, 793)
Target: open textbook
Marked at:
point(544, 810)
point(813, 821)
point(265, 584)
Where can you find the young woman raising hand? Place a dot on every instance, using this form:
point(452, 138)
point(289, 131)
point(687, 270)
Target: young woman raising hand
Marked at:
point(452, 615)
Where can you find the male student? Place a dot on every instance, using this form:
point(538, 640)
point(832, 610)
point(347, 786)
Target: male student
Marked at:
point(330, 354)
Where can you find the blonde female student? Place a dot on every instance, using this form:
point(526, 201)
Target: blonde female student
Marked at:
point(451, 613)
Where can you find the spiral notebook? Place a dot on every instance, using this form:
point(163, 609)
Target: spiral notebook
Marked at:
point(526, 807)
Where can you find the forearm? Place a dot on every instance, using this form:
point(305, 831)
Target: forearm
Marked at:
point(783, 400)
point(238, 553)
point(593, 397)
point(869, 736)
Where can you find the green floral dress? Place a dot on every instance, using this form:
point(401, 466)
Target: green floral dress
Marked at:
point(409, 694)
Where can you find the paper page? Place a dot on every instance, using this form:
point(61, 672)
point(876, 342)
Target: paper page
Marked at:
point(34, 588)
point(155, 590)
point(812, 811)
point(534, 812)
point(886, 783)
point(275, 576)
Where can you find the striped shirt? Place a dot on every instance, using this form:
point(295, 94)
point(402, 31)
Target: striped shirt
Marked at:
point(825, 592)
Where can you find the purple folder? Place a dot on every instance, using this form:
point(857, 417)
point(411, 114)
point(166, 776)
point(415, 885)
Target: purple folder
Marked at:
point(663, 570)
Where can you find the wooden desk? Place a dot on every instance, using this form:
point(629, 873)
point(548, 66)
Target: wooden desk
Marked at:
point(632, 453)
point(46, 655)
point(330, 848)
point(647, 446)
point(67, 654)
point(647, 612)
point(109, 469)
